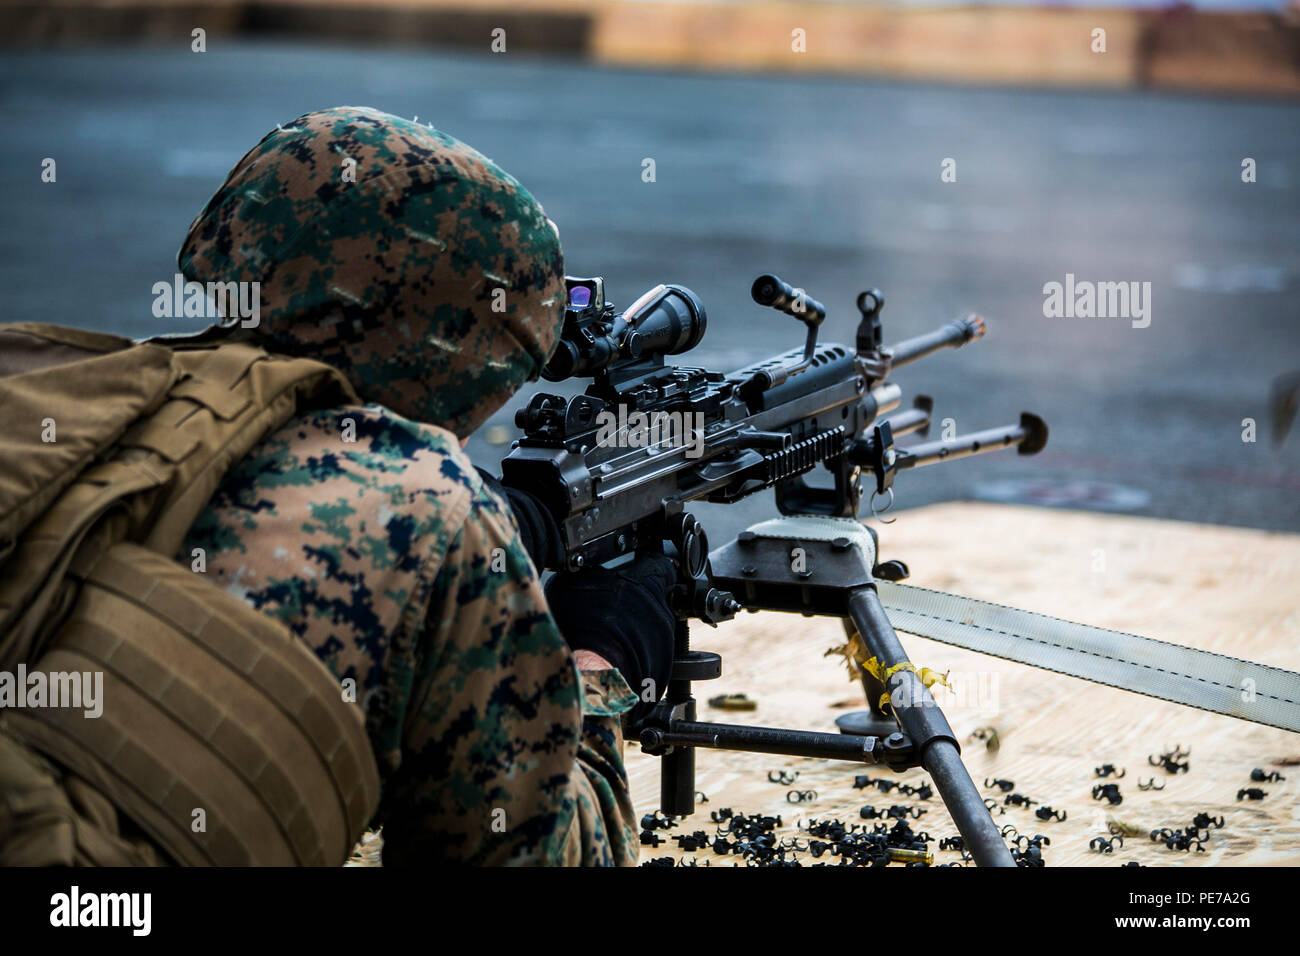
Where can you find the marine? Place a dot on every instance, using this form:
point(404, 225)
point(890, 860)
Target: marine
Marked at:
point(432, 282)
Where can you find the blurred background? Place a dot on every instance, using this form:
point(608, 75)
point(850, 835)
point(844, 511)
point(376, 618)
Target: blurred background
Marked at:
point(802, 138)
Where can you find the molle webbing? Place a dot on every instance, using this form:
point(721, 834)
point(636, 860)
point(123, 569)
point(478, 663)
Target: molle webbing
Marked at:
point(141, 474)
point(208, 704)
point(68, 396)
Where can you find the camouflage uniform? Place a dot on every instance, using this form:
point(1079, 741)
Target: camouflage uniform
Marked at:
point(435, 282)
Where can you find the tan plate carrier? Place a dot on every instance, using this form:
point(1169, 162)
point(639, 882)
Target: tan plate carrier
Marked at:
point(211, 711)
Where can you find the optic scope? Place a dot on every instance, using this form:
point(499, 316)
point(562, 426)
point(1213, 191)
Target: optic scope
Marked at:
point(665, 320)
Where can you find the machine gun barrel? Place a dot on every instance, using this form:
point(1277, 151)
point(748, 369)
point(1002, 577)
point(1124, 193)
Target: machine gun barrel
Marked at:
point(953, 335)
point(915, 419)
point(1030, 436)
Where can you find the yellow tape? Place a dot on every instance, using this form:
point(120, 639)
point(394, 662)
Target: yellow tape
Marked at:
point(855, 653)
point(929, 678)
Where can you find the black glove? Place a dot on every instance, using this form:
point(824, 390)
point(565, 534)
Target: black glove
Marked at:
point(622, 615)
point(538, 532)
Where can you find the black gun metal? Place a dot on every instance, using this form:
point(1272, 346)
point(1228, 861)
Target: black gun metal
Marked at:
point(617, 465)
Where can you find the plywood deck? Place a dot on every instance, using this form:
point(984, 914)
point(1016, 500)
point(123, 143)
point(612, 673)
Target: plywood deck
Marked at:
point(1224, 589)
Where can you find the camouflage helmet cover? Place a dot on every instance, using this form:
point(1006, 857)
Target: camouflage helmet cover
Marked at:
point(394, 252)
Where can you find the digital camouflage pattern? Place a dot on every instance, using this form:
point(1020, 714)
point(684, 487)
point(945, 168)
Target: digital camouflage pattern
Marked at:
point(404, 573)
point(433, 280)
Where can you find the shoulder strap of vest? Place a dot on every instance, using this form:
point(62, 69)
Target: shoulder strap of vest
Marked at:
point(147, 435)
point(229, 398)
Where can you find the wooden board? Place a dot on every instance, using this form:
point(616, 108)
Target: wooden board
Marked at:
point(1224, 589)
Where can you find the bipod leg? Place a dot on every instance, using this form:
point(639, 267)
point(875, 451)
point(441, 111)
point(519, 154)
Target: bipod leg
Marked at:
point(872, 722)
point(923, 721)
point(677, 771)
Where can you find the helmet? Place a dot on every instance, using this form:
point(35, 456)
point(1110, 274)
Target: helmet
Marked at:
point(394, 252)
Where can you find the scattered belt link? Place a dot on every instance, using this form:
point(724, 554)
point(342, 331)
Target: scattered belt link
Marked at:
point(987, 734)
point(1186, 839)
point(1031, 854)
point(1170, 760)
point(1108, 792)
point(752, 838)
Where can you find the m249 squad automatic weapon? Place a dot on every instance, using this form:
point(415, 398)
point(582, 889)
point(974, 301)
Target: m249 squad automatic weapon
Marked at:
point(617, 465)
